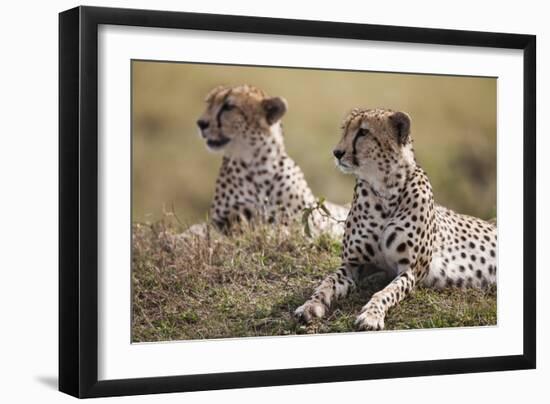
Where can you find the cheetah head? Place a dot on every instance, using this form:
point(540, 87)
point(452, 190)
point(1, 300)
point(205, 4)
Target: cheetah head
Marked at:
point(238, 119)
point(374, 143)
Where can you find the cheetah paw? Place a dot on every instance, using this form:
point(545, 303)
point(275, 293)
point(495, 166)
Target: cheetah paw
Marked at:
point(310, 310)
point(370, 321)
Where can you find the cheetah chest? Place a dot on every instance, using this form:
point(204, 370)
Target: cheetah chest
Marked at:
point(269, 191)
point(366, 225)
point(391, 233)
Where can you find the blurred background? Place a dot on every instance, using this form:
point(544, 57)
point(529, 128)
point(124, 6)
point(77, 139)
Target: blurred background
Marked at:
point(453, 127)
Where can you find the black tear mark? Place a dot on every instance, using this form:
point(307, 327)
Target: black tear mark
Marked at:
point(358, 134)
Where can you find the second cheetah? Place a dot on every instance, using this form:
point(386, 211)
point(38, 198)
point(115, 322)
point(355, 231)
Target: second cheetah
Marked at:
point(257, 177)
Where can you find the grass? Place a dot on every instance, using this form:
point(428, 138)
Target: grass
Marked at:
point(250, 284)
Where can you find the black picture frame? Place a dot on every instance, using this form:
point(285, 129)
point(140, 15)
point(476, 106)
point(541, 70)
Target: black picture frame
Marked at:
point(78, 200)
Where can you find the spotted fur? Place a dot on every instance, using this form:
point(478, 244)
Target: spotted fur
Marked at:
point(257, 178)
point(394, 225)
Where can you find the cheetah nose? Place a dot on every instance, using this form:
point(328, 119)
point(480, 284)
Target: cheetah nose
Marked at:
point(338, 153)
point(202, 124)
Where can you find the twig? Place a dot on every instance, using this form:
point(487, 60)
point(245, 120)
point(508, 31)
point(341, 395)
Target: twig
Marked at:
point(319, 207)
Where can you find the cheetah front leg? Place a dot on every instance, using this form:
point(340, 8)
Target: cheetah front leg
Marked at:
point(333, 287)
point(373, 313)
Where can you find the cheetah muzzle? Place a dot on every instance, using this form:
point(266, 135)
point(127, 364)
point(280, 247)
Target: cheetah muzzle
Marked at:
point(217, 144)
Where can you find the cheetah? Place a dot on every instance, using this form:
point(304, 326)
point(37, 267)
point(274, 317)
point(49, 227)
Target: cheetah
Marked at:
point(257, 178)
point(394, 225)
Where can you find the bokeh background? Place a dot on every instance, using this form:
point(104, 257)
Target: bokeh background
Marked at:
point(453, 127)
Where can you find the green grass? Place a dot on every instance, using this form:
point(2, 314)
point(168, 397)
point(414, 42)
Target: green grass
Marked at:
point(250, 284)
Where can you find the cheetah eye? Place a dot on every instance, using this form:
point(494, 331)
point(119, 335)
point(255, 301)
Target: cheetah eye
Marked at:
point(227, 107)
point(363, 132)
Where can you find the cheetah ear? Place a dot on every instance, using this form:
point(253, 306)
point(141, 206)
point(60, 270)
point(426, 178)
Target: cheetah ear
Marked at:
point(402, 124)
point(274, 108)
